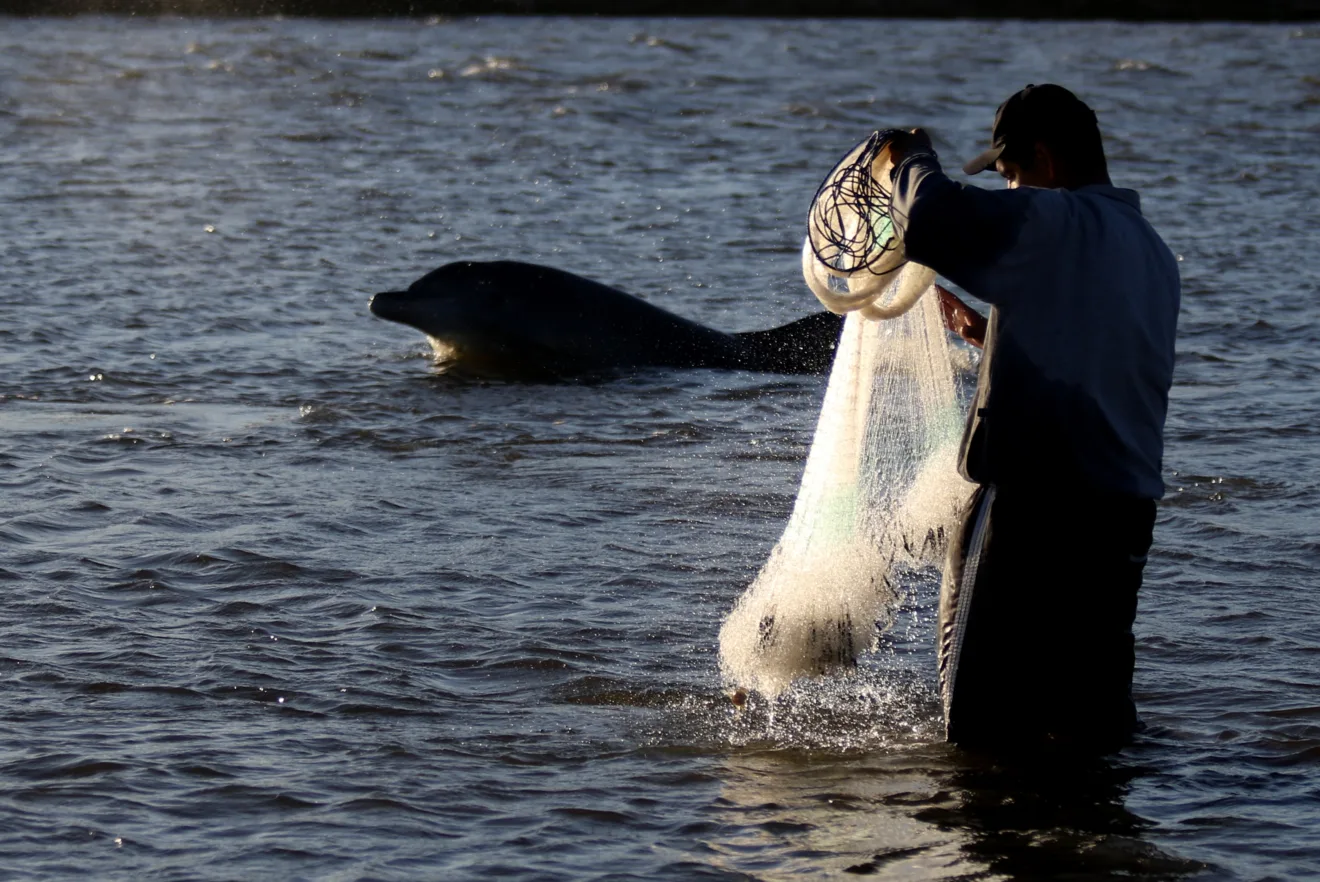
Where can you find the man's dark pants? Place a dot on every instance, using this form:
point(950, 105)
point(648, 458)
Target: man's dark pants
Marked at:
point(1043, 651)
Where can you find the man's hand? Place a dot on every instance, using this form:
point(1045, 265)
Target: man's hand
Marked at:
point(906, 143)
point(961, 318)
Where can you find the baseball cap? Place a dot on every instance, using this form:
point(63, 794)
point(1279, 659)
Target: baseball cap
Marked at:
point(1046, 112)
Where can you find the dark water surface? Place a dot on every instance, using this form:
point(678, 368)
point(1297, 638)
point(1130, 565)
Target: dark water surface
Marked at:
point(282, 602)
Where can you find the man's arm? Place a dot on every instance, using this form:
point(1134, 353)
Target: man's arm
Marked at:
point(954, 229)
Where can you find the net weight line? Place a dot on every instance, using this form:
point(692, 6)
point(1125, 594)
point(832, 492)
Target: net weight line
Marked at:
point(849, 224)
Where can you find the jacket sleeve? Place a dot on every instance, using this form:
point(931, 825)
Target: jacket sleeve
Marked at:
point(956, 230)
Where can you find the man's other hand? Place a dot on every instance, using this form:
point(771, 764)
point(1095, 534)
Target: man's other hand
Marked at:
point(961, 318)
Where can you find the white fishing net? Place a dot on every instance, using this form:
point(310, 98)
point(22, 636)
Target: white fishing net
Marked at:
point(881, 489)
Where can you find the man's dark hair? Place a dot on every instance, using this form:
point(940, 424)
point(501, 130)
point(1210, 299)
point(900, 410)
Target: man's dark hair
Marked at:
point(1051, 115)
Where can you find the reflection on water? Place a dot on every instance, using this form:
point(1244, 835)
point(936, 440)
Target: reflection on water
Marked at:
point(934, 812)
point(1051, 818)
point(793, 812)
point(848, 775)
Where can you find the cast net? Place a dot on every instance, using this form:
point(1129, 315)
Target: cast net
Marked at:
point(880, 490)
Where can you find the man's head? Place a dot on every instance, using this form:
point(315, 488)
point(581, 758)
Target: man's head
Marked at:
point(1045, 136)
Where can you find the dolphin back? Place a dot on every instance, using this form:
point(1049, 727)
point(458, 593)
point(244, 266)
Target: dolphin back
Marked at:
point(520, 320)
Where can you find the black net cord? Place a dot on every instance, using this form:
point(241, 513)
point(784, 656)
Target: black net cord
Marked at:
point(849, 207)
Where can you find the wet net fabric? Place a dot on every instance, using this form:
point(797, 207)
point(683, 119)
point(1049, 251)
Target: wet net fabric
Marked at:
point(880, 490)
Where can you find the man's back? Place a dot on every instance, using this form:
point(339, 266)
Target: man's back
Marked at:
point(1086, 295)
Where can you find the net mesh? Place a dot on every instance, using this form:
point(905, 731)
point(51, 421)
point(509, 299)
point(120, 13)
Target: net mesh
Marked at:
point(880, 490)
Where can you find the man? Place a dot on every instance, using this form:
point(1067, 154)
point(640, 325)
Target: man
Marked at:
point(1065, 437)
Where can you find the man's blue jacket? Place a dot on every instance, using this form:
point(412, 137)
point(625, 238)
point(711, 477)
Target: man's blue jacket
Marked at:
point(1079, 355)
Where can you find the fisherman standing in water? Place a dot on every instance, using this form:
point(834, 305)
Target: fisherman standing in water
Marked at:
point(1065, 437)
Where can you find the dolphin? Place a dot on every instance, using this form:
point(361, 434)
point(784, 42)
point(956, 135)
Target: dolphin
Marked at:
point(506, 319)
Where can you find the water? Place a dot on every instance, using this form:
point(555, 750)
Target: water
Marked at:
point(281, 602)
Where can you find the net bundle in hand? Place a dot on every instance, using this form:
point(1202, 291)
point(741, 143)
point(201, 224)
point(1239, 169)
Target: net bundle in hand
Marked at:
point(881, 490)
point(849, 226)
point(853, 254)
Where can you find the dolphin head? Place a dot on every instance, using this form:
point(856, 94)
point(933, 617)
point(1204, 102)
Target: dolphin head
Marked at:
point(438, 303)
point(487, 318)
